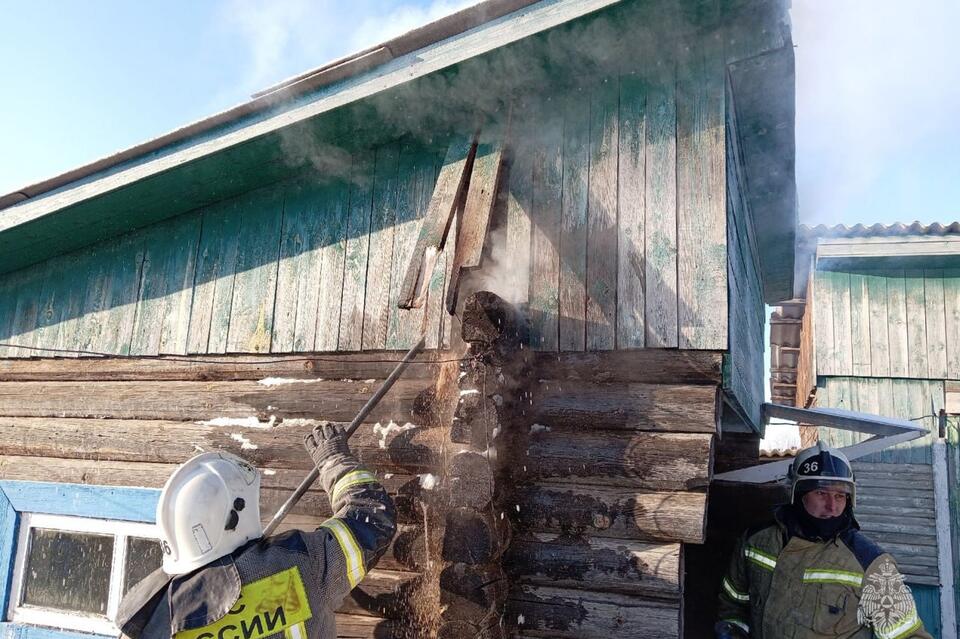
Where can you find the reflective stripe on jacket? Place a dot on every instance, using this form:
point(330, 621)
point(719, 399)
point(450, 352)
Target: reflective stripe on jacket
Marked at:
point(781, 586)
point(288, 585)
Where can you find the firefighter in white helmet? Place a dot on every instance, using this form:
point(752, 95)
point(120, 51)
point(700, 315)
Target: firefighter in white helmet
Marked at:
point(813, 574)
point(221, 579)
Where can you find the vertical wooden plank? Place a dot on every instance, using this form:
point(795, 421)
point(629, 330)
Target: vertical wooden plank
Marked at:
point(382, 220)
point(519, 201)
point(72, 301)
point(933, 299)
point(951, 304)
point(602, 241)
point(118, 327)
point(333, 221)
point(29, 298)
point(449, 323)
point(823, 323)
point(573, 227)
point(255, 285)
point(358, 245)
point(545, 241)
point(897, 323)
point(8, 305)
point(299, 270)
point(859, 325)
point(213, 284)
point(916, 324)
point(434, 304)
point(879, 331)
point(631, 265)
point(842, 338)
point(414, 174)
point(701, 199)
point(162, 319)
point(660, 190)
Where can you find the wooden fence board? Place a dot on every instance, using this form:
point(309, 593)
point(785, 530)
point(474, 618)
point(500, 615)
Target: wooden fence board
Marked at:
point(48, 316)
point(545, 241)
point(357, 252)
point(701, 181)
point(376, 311)
point(519, 210)
point(933, 297)
point(660, 192)
point(333, 245)
point(631, 183)
point(573, 234)
point(25, 310)
point(916, 323)
point(436, 313)
point(842, 333)
point(602, 236)
point(215, 275)
point(878, 330)
point(951, 298)
point(859, 325)
point(897, 323)
point(823, 323)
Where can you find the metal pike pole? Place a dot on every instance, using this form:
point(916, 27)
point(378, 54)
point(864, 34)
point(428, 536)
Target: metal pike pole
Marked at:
point(351, 429)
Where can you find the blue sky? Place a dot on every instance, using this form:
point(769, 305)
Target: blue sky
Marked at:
point(878, 87)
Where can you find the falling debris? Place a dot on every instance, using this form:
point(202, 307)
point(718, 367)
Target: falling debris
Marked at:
point(539, 428)
point(520, 619)
point(282, 381)
point(472, 391)
point(269, 471)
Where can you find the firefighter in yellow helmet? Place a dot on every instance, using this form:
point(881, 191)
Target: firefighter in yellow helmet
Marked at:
point(222, 579)
point(813, 574)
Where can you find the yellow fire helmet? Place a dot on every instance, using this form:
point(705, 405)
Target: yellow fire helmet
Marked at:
point(209, 507)
point(821, 466)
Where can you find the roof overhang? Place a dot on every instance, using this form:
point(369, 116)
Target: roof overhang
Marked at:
point(763, 89)
point(135, 185)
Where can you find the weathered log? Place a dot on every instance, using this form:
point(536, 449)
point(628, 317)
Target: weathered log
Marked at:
point(357, 366)
point(471, 480)
point(361, 627)
point(610, 512)
point(655, 461)
point(581, 614)
point(477, 418)
point(198, 401)
point(658, 407)
point(610, 565)
point(387, 447)
point(736, 450)
point(490, 320)
point(645, 365)
point(472, 593)
point(473, 537)
point(382, 593)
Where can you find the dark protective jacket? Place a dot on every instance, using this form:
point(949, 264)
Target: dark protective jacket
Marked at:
point(288, 585)
point(781, 585)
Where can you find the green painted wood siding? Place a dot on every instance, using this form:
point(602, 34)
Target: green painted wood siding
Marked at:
point(888, 323)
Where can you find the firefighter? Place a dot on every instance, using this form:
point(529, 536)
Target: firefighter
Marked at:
point(221, 579)
point(813, 574)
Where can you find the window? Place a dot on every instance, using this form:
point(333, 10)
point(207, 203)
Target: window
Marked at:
point(71, 572)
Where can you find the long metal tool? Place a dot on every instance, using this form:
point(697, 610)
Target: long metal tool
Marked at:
point(351, 429)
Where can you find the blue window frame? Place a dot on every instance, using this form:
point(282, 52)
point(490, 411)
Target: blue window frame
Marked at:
point(100, 502)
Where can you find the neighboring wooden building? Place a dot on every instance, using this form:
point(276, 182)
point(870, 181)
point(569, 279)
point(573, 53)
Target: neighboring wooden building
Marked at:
point(875, 327)
point(630, 194)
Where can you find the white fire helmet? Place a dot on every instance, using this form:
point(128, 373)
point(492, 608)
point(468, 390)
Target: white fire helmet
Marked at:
point(209, 507)
point(821, 466)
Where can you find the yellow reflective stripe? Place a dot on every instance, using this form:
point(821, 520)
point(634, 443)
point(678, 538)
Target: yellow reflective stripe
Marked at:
point(739, 624)
point(351, 550)
point(762, 559)
point(735, 594)
point(354, 478)
point(821, 575)
point(902, 629)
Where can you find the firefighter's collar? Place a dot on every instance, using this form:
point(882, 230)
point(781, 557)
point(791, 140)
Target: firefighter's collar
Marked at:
point(204, 596)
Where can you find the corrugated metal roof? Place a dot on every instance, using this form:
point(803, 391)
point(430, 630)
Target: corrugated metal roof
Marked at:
point(879, 230)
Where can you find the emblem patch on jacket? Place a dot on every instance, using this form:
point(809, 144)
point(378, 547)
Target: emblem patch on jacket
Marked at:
point(265, 607)
point(886, 602)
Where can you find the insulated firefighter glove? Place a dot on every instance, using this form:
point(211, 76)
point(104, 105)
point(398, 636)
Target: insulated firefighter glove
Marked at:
point(326, 442)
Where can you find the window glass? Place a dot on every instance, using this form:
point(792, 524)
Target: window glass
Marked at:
point(143, 557)
point(68, 570)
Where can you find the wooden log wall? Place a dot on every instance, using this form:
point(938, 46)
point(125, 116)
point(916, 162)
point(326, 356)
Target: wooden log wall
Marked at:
point(888, 323)
point(131, 422)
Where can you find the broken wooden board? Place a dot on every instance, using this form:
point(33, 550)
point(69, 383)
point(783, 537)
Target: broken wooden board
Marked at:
point(449, 188)
point(481, 196)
